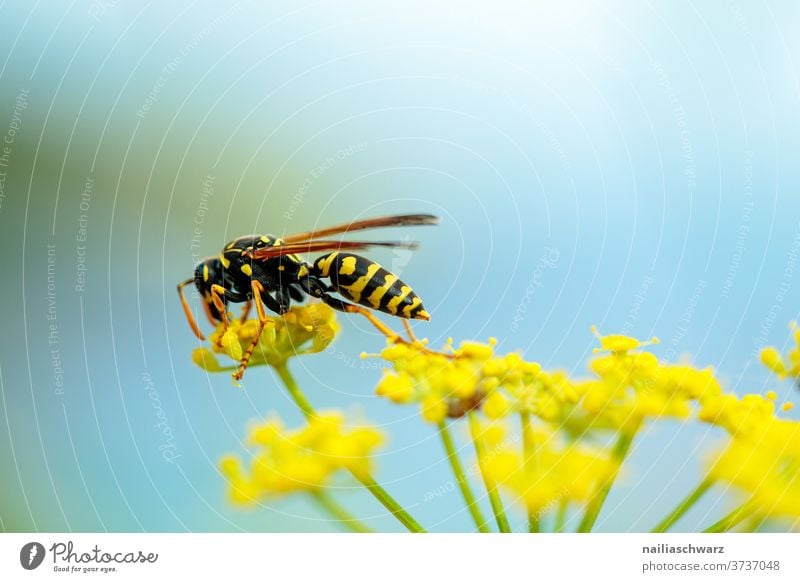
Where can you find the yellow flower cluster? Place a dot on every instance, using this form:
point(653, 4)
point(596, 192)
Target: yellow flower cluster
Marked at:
point(743, 417)
point(762, 457)
point(450, 383)
point(631, 387)
point(766, 466)
point(556, 472)
point(306, 329)
point(628, 387)
point(563, 418)
point(788, 366)
point(304, 459)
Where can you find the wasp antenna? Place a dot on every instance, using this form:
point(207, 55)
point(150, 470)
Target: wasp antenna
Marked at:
point(188, 312)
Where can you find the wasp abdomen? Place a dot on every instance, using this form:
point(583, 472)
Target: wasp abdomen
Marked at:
point(367, 283)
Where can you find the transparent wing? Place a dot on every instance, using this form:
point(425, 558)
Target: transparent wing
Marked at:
point(379, 222)
point(318, 246)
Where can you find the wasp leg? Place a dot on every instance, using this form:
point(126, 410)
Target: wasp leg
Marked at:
point(410, 332)
point(189, 315)
point(284, 297)
point(219, 297)
point(422, 345)
point(346, 307)
point(217, 294)
point(246, 311)
point(260, 298)
point(296, 292)
point(212, 319)
point(318, 289)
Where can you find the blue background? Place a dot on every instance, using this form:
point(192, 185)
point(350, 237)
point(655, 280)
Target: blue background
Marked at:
point(650, 148)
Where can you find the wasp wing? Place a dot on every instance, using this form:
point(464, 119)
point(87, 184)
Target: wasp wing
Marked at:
point(318, 246)
point(379, 222)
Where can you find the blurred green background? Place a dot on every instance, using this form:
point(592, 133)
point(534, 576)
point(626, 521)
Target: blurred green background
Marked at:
point(628, 164)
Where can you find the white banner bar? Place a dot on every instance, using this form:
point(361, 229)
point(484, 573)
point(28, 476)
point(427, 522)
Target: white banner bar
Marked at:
point(386, 557)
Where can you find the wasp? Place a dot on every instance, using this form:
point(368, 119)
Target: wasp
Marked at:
point(267, 271)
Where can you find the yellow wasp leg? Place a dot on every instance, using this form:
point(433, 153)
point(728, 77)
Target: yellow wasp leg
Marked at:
point(217, 293)
point(258, 289)
point(410, 332)
point(246, 310)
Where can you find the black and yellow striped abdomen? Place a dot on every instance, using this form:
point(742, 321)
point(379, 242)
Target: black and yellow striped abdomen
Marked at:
point(367, 283)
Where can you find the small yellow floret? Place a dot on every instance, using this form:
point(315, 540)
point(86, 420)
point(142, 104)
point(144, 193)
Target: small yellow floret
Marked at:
point(303, 459)
point(433, 409)
point(397, 388)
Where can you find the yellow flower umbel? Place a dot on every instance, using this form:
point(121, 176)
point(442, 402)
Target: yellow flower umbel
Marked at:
point(304, 459)
point(306, 329)
point(442, 384)
point(788, 366)
point(748, 416)
point(766, 466)
point(629, 386)
point(557, 473)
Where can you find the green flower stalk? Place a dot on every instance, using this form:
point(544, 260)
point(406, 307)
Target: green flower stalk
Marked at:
point(491, 486)
point(461, 477)
point(685, 505)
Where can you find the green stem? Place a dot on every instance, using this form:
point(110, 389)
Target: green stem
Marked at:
point(294, 390)
point(339, 513)
point(528, 446)
point(731, 520)
point(389, 503)
point(461, 478)
point(365, 479)
point(754, 523)
point(491, 487)
point(683, 506)
point(561, 515)
point(621, 449)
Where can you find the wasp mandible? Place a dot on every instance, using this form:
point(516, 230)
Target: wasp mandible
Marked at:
point(266, 271)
